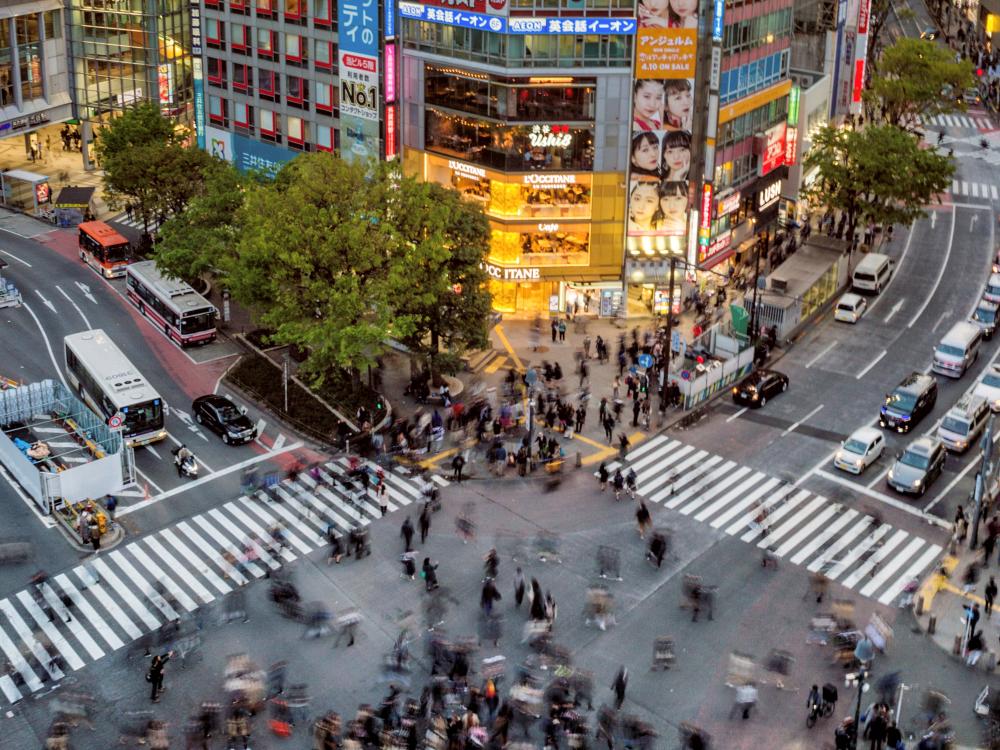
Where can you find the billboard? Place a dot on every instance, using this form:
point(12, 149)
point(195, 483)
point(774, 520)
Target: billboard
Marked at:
point(250, 155)
point(357, 22)
point(219, 143)
point(659, 195)
point(860, 56)
point(535, 25)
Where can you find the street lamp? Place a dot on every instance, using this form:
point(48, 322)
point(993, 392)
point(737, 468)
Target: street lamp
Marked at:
point(864, 652)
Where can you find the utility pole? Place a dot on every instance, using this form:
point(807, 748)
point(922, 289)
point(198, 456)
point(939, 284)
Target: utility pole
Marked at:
point(756, 288)
point(670, 319)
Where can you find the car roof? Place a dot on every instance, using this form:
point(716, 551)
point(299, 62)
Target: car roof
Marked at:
point(865, 434)
point(924, 444)
point(915, 382)
point(851, 298)
point(994, 279)
point(214, 399)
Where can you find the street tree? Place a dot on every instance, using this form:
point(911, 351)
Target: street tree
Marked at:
point(438, 282)
point(878, 14)
point(203, 236)
point(878, 174)
point(916, 78)
point(312, 262)
point(147, 164)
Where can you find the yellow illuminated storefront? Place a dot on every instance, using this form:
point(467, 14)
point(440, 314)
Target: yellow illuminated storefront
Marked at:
point(556, 237)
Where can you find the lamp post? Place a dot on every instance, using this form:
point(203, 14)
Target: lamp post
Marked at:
point(864, 652)
point(758, 249)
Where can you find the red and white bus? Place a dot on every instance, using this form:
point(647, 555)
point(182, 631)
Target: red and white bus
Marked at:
point(170, 304)
point(103, 249)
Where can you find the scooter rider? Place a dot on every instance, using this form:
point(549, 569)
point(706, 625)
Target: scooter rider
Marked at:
point(181, 455)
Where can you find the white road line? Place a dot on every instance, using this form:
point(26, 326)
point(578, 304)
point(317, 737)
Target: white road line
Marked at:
point(649, 445)
point(15, 657)
point(776, 532)
point(78, 631)
point(942, 266)
point(11, 255)
point(75, 307)
point(82, 604)
point(710, 492)
point(744, 503)
point(211, 554)
point(794, 425)
point(818, 541)
point(831, 552)
point(882, 497)
point(965, 188)
point(782, 498)
point(912, 572)
point(958, 477)
point(855, 553)
point(871, 365)
point(148, 481)
point(822, 353)
point(705, 482)
point(262, 554)
point(941, 318)
point(278, 442)
point(175, 567)
point(681, 478)
point(672, 448)
point(55, 638)
point(28, 638)
point(954, 186)
point(146, 586)
point(800, 536)
point(126, 594)
point(875, 559)
point(197, 563)
point(897, 561)
point(258, 510)
point(752, 490)
point(226, 544)
point(975, 189)
point(290, 518)
point(48, 344)
point(260, 533)
point(993, 192)
point(699, 459)
point(737, 415)
point(109, 605)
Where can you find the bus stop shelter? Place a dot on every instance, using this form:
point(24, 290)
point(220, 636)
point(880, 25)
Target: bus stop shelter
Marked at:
point(74, 205)
point(26, 191)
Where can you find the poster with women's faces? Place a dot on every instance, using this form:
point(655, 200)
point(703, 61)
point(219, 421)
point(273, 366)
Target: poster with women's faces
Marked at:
point(662, 118)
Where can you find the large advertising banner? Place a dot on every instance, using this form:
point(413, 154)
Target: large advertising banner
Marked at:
point(359, 79)
point(662, 114)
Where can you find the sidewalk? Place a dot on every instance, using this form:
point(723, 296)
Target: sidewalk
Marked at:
point(940, 602)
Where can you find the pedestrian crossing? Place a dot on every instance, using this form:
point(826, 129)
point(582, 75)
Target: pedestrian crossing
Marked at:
point(135, 222)
point(975, 189)
point(117, 595)
point(850, 547)
point(967, 121)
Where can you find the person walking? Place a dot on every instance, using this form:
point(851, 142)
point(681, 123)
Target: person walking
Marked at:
point(518, 587)
point(602, 475)
point(562, 331)
point(536, 601)
point(425, 522)
point(961, 525)
point(642, 519)
point(238, 725)
point(457, 464)
point(555, 330)
point(111, 505)
point(429, 571)
point(155, 675)
point(407, 533)
point(619, 686)
point(609, 428)
point(746, 699)
point(990, 595)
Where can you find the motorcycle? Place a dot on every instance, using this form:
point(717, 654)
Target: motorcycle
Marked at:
point(187, 466)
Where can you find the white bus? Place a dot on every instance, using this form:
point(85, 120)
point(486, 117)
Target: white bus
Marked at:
point(170, 304)
point(109, 384)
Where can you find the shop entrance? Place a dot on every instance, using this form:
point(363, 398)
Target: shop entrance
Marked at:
point(516, 297)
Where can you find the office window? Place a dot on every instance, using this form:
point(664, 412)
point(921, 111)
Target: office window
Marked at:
point(241, 7)
point(326, 138)
point(241, 37)
point(295, 11)
point(297, 92)
point(217, 110)
point(267, 43)
point(322, 13)
point(215, 4)
point(266, 8)
point(269, 126)
point(216, 71)
point(297, 50)
point(29, 52)
point(326, 97)
point(242, 115)
point(53, 24)
point(242, 77)
point(325, 55)
point(215, 36)
point(268, 85)
point(296, 130)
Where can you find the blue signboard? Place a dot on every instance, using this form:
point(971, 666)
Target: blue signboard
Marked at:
point(389, 24)
point(645, 361)
point(718, 10)
point(502, 25)
point(357, 22)
point(254, 155)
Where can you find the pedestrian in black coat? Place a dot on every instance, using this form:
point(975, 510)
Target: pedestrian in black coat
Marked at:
point(155, 675)
point(619, 686)
point(518, 587)
point(537, 610)
point(407, 533)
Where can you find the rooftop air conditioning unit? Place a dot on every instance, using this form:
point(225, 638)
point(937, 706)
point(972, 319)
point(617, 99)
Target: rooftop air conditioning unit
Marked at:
point(779, 284)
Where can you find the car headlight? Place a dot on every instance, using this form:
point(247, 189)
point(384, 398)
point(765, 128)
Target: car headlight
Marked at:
point(859, 463)
point(754, 396)
point(891, 477)
point(917, 482)
point(960, 444)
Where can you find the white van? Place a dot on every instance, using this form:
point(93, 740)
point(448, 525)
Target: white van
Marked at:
point(872, 273)
point(957, 350)
point(963, 423)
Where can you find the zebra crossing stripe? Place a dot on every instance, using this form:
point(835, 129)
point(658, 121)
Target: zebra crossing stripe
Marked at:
point(914, 570)
point(261, 534)
point(716, 489)
point(857, 551)
point(675, 471)
point(845, 518)
point(831, 553)
point(55, 638)
point(778, 500)
point(14, 656)
point(140, 582)
point(190, 579)
point(252, 567)
point(880, 554)
point(290, 536)
point(706, 481)
point(993, 192)
point(954, 186)
point(110, 606)
point(651, 445)
point(803, 533)
point(78, 631)
point(25, 634)
point(291, 520)
point(125, 593)
point(212, 554)
point(975, 189)
point(82, 604)
point(674, 451)
point(886, 571)
point(196, 562)
point(777, 531)
point(243, 538)
point(741, 505)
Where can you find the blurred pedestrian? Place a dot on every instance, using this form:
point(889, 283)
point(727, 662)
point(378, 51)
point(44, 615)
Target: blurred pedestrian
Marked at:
point(429, 572)
point(619, 686)
point(407, 533)
point(642, 518)
point(276, 678)
point(425, 522)
point(602, 475)
point(990, 595)
point(518, 587)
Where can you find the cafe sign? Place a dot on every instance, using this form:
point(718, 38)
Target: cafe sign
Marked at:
point(501, 273)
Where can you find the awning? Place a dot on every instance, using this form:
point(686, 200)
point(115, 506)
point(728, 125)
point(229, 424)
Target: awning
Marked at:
point(75, 197)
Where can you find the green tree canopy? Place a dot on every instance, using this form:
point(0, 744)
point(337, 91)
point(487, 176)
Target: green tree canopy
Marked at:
point(916, 78)
point(146, 163)
point(337, 258)
point(879, 174)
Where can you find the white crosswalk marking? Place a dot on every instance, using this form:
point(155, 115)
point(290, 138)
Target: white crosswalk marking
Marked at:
point(850, 547)
point(975, 189)
point(115, 597)
point(993, 193)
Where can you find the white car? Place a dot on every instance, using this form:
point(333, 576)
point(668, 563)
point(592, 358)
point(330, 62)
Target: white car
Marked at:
point(989, 387)
point(850, 308)
point(861, 449)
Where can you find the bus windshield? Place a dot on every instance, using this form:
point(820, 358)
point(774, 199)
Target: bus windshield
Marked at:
point(143, 417)
point(116, 253)
point(204, 321)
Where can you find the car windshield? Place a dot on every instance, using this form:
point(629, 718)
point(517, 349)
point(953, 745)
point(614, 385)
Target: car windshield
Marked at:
point(229, 413)
point(992, 380)
point(951, 351)
point(864, 276)
point(856, 446)
point(916, 460)
point(956, 425)
point(846, 306)
point(901, 401)
point(985, 315)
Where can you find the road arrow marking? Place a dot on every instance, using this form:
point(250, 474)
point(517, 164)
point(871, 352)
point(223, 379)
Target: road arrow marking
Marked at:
point(895, 309)
point(45, 301)
point(973, 221)
point(181, 415)
point(933, 219)
point(75, 306)
point(86, 291)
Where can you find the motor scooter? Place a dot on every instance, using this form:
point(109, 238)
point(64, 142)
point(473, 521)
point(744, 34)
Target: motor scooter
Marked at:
point(187, 466)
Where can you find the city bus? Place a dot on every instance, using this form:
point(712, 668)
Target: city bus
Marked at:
point(170, 304)
point(108, 383)
point(103, 249)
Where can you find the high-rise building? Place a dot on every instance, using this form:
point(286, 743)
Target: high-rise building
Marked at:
point(523, 106)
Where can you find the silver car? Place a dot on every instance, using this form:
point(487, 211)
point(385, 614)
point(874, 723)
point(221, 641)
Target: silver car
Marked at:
point(917, 466)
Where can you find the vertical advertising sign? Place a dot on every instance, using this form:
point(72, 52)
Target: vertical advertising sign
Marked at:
point(197, 73)
point(357, 22)
point(659, 196)
point(847, 33)
point(860, 55)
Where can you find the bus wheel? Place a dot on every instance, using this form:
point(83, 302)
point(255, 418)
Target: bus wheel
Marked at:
point(142, 309)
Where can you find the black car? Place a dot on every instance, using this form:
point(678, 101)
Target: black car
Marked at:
point(759, 386)
point(224, 418)
point(909, 402)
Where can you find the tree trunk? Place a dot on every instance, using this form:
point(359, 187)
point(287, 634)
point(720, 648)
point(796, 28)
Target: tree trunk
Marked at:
point(432, 355)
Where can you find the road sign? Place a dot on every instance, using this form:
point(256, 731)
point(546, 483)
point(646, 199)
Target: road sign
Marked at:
point(116, 420)
point(645, 360)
